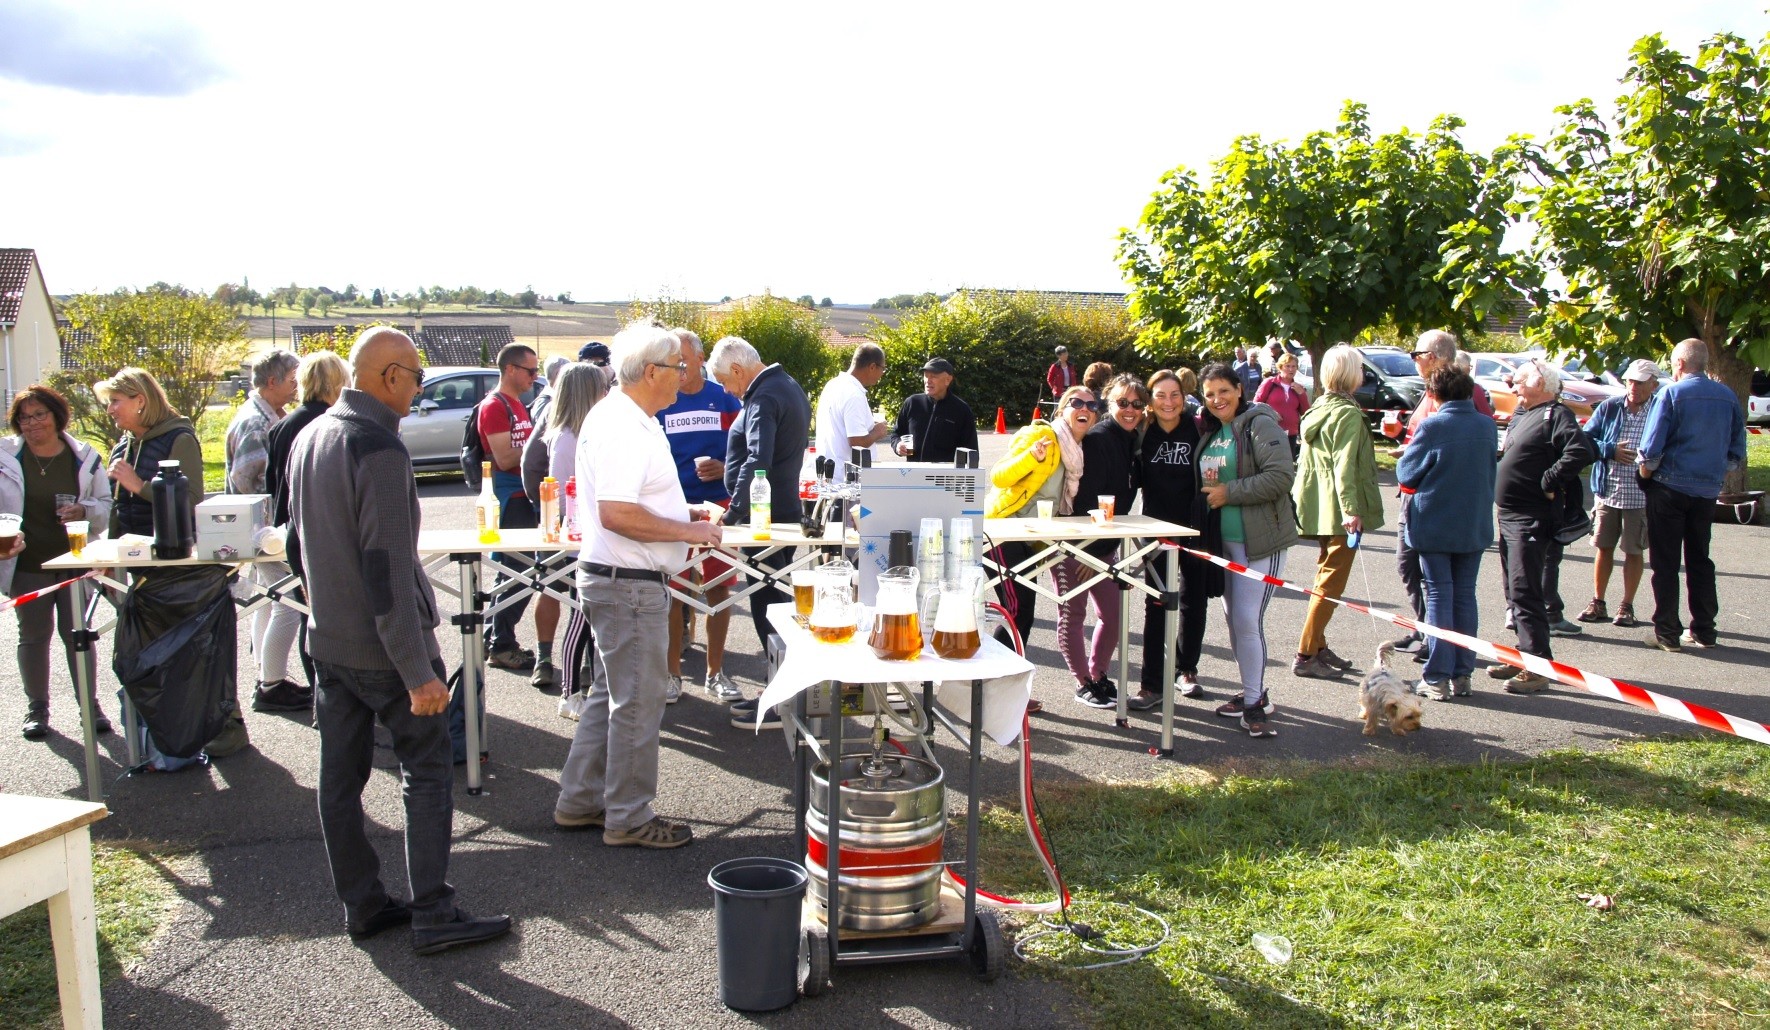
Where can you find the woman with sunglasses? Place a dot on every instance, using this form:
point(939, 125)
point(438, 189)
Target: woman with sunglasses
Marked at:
point(1109, 466)
point(1167, 467)
point(1247, 472)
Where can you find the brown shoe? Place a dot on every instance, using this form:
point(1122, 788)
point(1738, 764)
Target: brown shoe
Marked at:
point(1503, 672)
point(1625, 616)
point(1594, 612)
point(655, 834)
point(1314, 667)
point(1527, 683)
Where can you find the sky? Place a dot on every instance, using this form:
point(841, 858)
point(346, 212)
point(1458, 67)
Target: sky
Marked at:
point(698, 150)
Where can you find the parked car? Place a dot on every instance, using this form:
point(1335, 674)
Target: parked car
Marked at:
point(1383, 388)
point(433, 429)
point(1757, 411)
point(1495, 371)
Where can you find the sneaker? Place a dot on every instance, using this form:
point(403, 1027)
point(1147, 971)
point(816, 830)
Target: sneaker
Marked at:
point(101, 724)
point(1143, 700)
point(37, 726)
point(1314, 667)
point(1256, 725)
point(1423, 655)
point(1235, 707)
point(672, 689)
point(1563, 628)
point(722, 688)
point(572, 823)
point(655, 834)
point(1439, 691)
point(572, 708)
point(1326, 654)
point(1503, 672)
point(1625, 616)
point(1527, 683)
point(1655, 640)
point(1595, 612)
point(1189, 686)
point(545, 677)
point(516, 659)
point(281, 696)
point(743, 715)
point(1461, 687)
point(1511, 620)
point(1690, 639)
point(233, 737)
point(1096, 695)
point(1408, 644)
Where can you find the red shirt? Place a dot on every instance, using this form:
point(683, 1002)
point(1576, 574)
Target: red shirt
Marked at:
point(495, 418)
point(1429, 404)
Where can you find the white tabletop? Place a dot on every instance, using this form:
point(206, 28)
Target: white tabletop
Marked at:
point(1080, 529)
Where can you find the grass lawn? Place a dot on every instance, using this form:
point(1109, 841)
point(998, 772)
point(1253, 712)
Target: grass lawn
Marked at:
point(1757, 461)
point(132, 894)
point(1425, 895)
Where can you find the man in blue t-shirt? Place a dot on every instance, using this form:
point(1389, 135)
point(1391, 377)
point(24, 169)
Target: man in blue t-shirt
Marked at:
point(696, 426)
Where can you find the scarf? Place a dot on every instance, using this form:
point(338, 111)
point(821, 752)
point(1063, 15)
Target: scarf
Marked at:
point(1071, 449)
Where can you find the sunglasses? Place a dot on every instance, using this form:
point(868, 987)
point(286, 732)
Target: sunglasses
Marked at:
point(1126, 402)
point(532, 370)
point(417, 373)
point(1077, 402)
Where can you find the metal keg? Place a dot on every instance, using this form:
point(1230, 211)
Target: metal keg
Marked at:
point(893, 825)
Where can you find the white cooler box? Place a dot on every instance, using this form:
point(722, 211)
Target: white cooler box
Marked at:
point(228, 525)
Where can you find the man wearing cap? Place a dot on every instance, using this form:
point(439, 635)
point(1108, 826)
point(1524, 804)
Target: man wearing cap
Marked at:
point(932, 426)
point(597, 354)
point(1695, 435)
point(1061, 375)
point(1619, 508)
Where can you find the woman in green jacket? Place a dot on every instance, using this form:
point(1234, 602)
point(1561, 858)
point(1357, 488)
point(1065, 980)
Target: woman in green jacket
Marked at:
point(1336, 495)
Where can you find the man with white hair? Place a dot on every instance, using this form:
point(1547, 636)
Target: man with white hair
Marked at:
point(1619, 508)
point(1695, 435)
point(637, 526)
point(1537, 481)
point(274, 626)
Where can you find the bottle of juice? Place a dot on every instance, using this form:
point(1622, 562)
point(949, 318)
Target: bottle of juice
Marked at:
point(550, 510)
point(571, 511)
point(486, 508)
point(761, 507)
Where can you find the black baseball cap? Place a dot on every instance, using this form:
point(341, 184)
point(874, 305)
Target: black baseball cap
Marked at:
point(938, 365)
point(593, 351)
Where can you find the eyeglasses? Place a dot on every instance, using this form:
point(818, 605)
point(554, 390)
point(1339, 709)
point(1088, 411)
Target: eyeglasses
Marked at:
point(417, 373)
point(1078, 403)
point(41, 416)
point(1126, 402)
point(532, 370)
point(681, 367)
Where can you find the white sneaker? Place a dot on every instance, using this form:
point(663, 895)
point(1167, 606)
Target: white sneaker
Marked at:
point(722, 688)
point(571, 708)
point(672, 689)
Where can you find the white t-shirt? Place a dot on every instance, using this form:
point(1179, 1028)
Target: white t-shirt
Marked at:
point(842, 412)
point(623, 455)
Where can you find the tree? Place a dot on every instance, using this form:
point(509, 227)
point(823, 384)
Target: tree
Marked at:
point(375, 298)
point(324, 303)
point(781, 331)
point(808, 300)
point(1661, 226)
point(186, 340)
point(415, 302)
point(305, 300)
point(825, 303)
point(528, 298)
point(1323, 240)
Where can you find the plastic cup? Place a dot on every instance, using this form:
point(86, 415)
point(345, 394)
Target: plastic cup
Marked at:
point(77, 530)
point(1047, 509)
point(1097, 515)
point(1275, 948)
point(10, 526)
point(65, 501)
point(909, 445)
point(1108, 504)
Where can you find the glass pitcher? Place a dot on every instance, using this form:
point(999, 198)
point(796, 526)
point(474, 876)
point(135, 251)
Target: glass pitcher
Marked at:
point(897, 632)
point(955, 621)
point(832, 604)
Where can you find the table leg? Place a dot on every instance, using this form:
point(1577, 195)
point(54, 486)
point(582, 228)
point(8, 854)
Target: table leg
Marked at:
point(472, 661)
point(1124, 713)
point(73, 928)
point(971, 812)
point(1171, 627)
point(84, 688)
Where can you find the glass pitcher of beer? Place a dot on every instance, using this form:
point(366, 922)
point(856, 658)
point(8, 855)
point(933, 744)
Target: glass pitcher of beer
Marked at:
point(832, 604)
point(897, 632)
point(955, 621)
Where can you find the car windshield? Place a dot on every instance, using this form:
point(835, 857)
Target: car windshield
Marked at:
point(1392, 362)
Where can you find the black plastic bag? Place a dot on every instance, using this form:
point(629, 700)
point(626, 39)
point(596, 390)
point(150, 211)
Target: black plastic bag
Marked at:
point(175, 654)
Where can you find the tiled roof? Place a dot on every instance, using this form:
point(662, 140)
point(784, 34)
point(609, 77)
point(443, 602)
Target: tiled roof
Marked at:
point(1509, 320)
point(300, 334)
point(463, 344)
point(15, 275)
point(73, 347)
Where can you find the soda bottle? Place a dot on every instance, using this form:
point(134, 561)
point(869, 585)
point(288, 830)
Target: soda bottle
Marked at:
point(571, 511)
point(485, 509)
point(761, 507)
point(550, 510)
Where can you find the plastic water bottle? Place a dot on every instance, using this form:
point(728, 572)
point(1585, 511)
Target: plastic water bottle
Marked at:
point(761, 507)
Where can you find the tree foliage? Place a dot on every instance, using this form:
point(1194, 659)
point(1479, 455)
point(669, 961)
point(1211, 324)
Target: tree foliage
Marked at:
point(1320, 241)
point(1659, 222)
point(185, 339)
point(780, 330)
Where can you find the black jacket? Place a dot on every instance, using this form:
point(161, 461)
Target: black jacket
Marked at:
point(1109, 466)
point(1168, 473)
point(939, 428)
point(771, 433)
point(1545, 452)
point(279, 440)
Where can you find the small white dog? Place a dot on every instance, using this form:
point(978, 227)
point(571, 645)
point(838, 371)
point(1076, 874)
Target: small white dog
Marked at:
point(1384, 695)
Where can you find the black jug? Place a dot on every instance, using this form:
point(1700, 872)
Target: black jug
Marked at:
point(175, 528)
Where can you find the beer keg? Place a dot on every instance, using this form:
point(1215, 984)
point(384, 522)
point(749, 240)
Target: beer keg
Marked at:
point(892, 828)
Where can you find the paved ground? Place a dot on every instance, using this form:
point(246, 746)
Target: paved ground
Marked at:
point(610, 938)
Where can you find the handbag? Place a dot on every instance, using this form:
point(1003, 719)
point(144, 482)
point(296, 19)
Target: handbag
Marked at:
point(1574, 521)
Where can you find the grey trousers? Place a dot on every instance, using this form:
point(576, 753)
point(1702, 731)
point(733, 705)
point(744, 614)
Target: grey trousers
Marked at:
point(36, 622)
point(346, 705)
point(612, 766)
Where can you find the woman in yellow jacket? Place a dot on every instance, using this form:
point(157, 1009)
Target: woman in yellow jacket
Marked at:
point(1043, 463)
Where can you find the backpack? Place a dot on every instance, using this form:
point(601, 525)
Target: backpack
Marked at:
point(473, 455)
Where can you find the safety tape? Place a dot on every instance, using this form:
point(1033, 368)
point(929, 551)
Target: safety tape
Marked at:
point(9, 603)
point(1603, 686)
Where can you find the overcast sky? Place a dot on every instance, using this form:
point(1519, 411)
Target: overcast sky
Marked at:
point(703, 149)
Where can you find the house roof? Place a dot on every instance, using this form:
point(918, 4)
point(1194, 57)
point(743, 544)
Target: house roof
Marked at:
point(15, 274)
point(448, 344)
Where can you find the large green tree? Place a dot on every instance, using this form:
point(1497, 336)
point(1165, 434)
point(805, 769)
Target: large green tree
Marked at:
point(188, 341)
point(1322, 240)
point(1659, 223)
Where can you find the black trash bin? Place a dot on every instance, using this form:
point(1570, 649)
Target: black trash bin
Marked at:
point(756, 906)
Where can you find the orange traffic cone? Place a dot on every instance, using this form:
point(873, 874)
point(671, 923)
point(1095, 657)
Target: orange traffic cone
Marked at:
point(1034, 417)
point(1001, 423)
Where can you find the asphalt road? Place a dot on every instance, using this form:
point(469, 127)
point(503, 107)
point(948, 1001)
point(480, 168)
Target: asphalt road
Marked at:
point(610, 937)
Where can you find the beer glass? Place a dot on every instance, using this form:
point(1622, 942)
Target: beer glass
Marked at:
point(1392, 423)
point(77, 535)
point(804, 591)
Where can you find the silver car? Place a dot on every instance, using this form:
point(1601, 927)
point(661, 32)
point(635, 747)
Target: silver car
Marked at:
point(433, 429)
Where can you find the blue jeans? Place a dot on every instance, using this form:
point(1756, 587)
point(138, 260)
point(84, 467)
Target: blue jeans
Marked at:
point(500, 631)
point(1450, 604)
point(346, 706)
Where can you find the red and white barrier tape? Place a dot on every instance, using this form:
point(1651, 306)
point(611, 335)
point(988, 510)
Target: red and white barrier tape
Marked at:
point(1603, 686)
point(9, 603)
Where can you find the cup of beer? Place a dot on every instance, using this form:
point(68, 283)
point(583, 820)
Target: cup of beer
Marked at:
point(1108, 504)
point(77, 535)
point(10, 526)
point(1047, 509)
point(804, 591)
point(1392, 423)
point(909, 445)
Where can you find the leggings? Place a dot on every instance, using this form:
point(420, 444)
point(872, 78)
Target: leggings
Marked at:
point(274, 628)
point(1244, 608)
point(1015, 596)
point(579, 645)
point(1088, 663)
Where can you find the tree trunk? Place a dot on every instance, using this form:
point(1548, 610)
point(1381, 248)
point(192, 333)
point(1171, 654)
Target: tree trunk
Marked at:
point(1730, 370)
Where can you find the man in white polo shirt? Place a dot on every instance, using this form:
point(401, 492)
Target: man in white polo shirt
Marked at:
point(844, 419)
point(636, 525)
